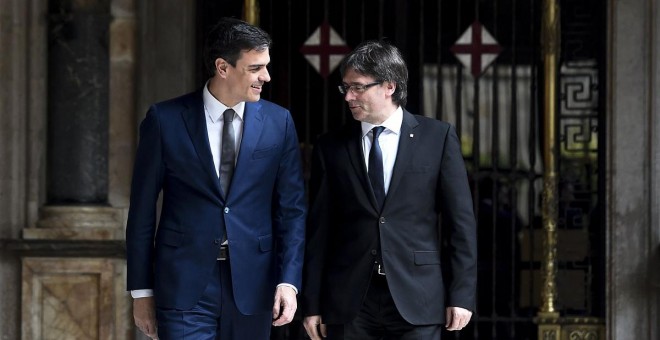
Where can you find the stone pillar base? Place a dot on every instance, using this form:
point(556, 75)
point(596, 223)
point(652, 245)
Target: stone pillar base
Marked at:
point(74, 298)
point(78, 223)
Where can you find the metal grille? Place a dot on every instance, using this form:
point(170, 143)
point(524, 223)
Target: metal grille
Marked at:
point(582, 156)
point(498, 118)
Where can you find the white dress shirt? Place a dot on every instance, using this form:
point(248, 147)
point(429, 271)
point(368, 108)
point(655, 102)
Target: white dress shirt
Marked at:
point(389, 143)
point(214, 110)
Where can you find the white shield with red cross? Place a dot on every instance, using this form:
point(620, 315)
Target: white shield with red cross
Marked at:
point(476, 49)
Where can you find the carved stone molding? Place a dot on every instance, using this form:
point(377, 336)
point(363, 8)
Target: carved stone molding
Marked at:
point(78, 223)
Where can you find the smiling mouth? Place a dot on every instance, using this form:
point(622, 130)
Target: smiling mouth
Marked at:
point(257, 87)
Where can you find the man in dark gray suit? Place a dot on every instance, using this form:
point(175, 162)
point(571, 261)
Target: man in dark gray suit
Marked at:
point(373, 266)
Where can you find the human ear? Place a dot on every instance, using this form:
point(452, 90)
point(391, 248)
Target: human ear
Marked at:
point(221, 67)
point(390, 86)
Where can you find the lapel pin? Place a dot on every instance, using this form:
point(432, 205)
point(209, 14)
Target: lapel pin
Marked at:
point(411, 135)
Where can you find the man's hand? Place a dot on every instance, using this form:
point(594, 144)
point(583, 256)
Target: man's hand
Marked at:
point(285, 305)
point(457, 318)
point(312, 325)
point(144, 313)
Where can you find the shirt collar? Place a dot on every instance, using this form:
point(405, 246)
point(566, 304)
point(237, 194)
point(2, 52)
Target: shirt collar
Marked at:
point(393, 123)
point(214, 108)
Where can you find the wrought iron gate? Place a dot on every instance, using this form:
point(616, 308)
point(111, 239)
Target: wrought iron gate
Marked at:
point(499, 114)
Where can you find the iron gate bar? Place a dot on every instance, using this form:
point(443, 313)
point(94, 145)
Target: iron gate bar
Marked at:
point(459, 77)
point(495, 169)
point(420, 62)
point(533, 140)
point(438, 60)
point(513, 157)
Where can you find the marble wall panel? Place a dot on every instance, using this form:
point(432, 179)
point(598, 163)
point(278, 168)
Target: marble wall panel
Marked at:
point(73, 298)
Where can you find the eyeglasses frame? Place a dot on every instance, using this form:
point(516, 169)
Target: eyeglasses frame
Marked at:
point(357, 88)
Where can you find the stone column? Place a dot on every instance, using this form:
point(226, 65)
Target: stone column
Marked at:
point(75, 244)
point(77, 129)
point(78, 91)
point(16, 120)
point(633, 162)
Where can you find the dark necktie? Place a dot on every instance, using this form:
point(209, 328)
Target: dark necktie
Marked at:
point(376, 167)
point(228, 155)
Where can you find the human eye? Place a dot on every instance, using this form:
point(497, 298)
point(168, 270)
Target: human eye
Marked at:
point(255, 68)
point(358, 87)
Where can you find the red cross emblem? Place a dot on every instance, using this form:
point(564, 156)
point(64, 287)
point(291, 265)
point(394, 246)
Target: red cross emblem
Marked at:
point(476, 49)
point(324, 49)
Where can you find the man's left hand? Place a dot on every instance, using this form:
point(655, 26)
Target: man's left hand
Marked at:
point(285, 305)
point(457, 318)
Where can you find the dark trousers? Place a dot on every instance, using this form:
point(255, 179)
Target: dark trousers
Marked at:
point(379, 319)
point(215, 317)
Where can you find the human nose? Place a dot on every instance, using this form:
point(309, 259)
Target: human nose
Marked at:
point(264, 76)
point(349, 95)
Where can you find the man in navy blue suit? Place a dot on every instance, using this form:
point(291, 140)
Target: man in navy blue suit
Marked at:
point(225, 261)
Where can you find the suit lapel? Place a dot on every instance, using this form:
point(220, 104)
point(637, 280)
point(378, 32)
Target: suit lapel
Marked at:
point(354, 148)
point(253, 124)
point(407, 141)
point(195, 120)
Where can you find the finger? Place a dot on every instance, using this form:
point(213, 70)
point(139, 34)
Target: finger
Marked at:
point(143, 327)
point(454, 324)
point(283, 319)
point(324, 331)
point(310, 328)
point(459, 324)
point(150, 333)
point(449, 320)
point(286, 314)
point(152, 330)
point(276, 306)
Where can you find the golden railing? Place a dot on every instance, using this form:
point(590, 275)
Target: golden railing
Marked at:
point(551, 325)
point(251, 12)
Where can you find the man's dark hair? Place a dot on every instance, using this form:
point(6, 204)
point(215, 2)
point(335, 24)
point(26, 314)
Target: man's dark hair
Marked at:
point(383, 62)
point(228, 38)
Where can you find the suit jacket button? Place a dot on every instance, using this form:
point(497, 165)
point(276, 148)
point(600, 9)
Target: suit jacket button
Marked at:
point(381, 220)
point(226, 210)
point(374, 252)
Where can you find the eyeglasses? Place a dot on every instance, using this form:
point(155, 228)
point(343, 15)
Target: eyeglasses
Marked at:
point(356, 88)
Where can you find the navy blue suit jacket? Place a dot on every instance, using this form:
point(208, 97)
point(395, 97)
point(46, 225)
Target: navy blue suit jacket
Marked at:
point(263, 213)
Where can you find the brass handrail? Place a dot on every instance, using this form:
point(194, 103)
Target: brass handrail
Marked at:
point(251, 12)
point(549, 328)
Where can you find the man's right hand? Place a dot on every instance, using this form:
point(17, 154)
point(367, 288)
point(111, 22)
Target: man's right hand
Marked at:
point(312, 325)
point(144, 313)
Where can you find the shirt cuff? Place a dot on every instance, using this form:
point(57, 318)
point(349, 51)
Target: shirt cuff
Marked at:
point(140, 293)
point(289, 285)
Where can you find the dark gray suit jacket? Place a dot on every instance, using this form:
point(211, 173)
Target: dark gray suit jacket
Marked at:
point(344, 227)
